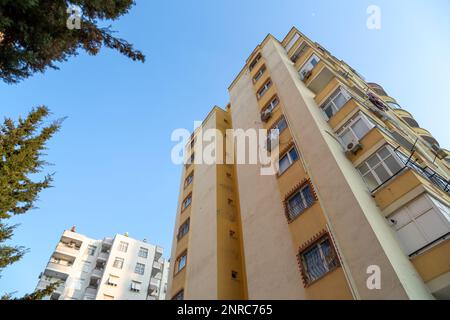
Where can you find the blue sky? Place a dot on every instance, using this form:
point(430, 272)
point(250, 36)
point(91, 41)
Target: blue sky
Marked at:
point(112, 157)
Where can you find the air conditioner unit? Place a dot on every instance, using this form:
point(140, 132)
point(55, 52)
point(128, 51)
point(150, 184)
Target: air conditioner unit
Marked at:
point(266, 115)
point(353, 147)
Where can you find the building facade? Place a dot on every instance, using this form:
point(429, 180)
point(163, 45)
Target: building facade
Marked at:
point(119, 268)
point(360, 206)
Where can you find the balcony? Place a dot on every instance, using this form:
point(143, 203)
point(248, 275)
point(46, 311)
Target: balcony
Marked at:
point(58, 267)
point(158, 252)
point(426, 135)
point(103, 256)
point(407, 117)
point(154, 284)
point(98, 273)
point(91, 291)
point(67, 249)
point(317, 79)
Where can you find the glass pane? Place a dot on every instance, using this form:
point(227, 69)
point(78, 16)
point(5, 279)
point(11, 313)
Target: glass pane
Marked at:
point(282, 125)
point(314, 264)
point(308, 196)
point(373, 161)
point(370, 180)
point(293, 154)
point(360, 128)
point(382, 173)
point(392, 164)
point(284, 163)
point(295, 205)
point(329, 110)
point(384, 152)
point(363, 168)
point(328, 254)
point(340, 100)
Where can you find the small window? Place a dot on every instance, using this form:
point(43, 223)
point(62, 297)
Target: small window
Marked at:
point(288, 159)
point(255, 62)
point(91, 250)
point(380, 167)
point(280, 125)
point(335, 102)
point(180, 264)
point(189, 180)
point(107, 297)
point(234, 275)
point(301, 200)
point(118, 263)
point(143, 253)
point(123, 246)
point(264, 88)
point(140, 268)
point(86, 266)
point(318, 260)
point(187, 202)
point(259, 74)
point(299, 52)
point(309, 66)
point(135, 286)
point(355, 129)
point(179, 295)
point(184, 229)
point(292, 42)
point(271, 105)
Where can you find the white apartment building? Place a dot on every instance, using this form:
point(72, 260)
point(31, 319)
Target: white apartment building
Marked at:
point(119, 268)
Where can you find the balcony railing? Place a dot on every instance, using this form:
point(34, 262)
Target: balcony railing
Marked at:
point(426, 172)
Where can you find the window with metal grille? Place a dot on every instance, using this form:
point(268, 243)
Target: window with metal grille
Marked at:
point(123, 246)
point(184, 229)
point(143, 253)
point(301, 200)
point(140, 268)
point(318, 260)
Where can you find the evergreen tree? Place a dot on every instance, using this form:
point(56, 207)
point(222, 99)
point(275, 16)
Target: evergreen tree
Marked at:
point(34, 34)
point(21, 150)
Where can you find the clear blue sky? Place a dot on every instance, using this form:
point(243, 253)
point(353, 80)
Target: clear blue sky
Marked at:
point(112, 156)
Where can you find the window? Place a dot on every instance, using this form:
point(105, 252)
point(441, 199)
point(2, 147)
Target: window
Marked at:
point(380, 167)
point(179, 295)
point(264, 88)
point(280, 125)
point(272, 104)
point(301, 200)
point(299, 52)
point(187, 202)
point(86, 266)
point(93, 283)
point(309, 66)
point(118, 263)
point(255, 62)
point(287, 160)
point(335, 103)
point(355, 129)
point(259, 74)
point(112, 281)
point(420, 223)
point(123, 246)
point(189, 180)
point(143, 253)
point(135, 286)
point(184, 229)
point(91, 250)
point(292, 42)
point(318, 260)
point(190, 160)
point(180, 264)
point(140, 268)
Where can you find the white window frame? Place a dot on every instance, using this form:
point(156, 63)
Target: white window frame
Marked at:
point(272, 104)
point(292, 42)
point(113, 281)
point(143, 253)
point(348, 127)
point(308, 66)
point(123, 246)
point(260, 73)
point(139, 268)
point(136, 286)
point(264, 88)
point(382, 163)
point(330, 102)
point(118, 263)
point(291, 161)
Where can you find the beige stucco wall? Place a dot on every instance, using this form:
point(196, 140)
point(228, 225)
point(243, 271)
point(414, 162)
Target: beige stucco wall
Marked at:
point(270, 258)
point(363, 236)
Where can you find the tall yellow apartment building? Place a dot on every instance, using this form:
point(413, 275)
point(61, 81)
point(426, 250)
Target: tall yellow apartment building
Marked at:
point(362, 192)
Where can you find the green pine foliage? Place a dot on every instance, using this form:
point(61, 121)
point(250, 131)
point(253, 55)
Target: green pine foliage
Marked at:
point(34, 35)
point(21, 150)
